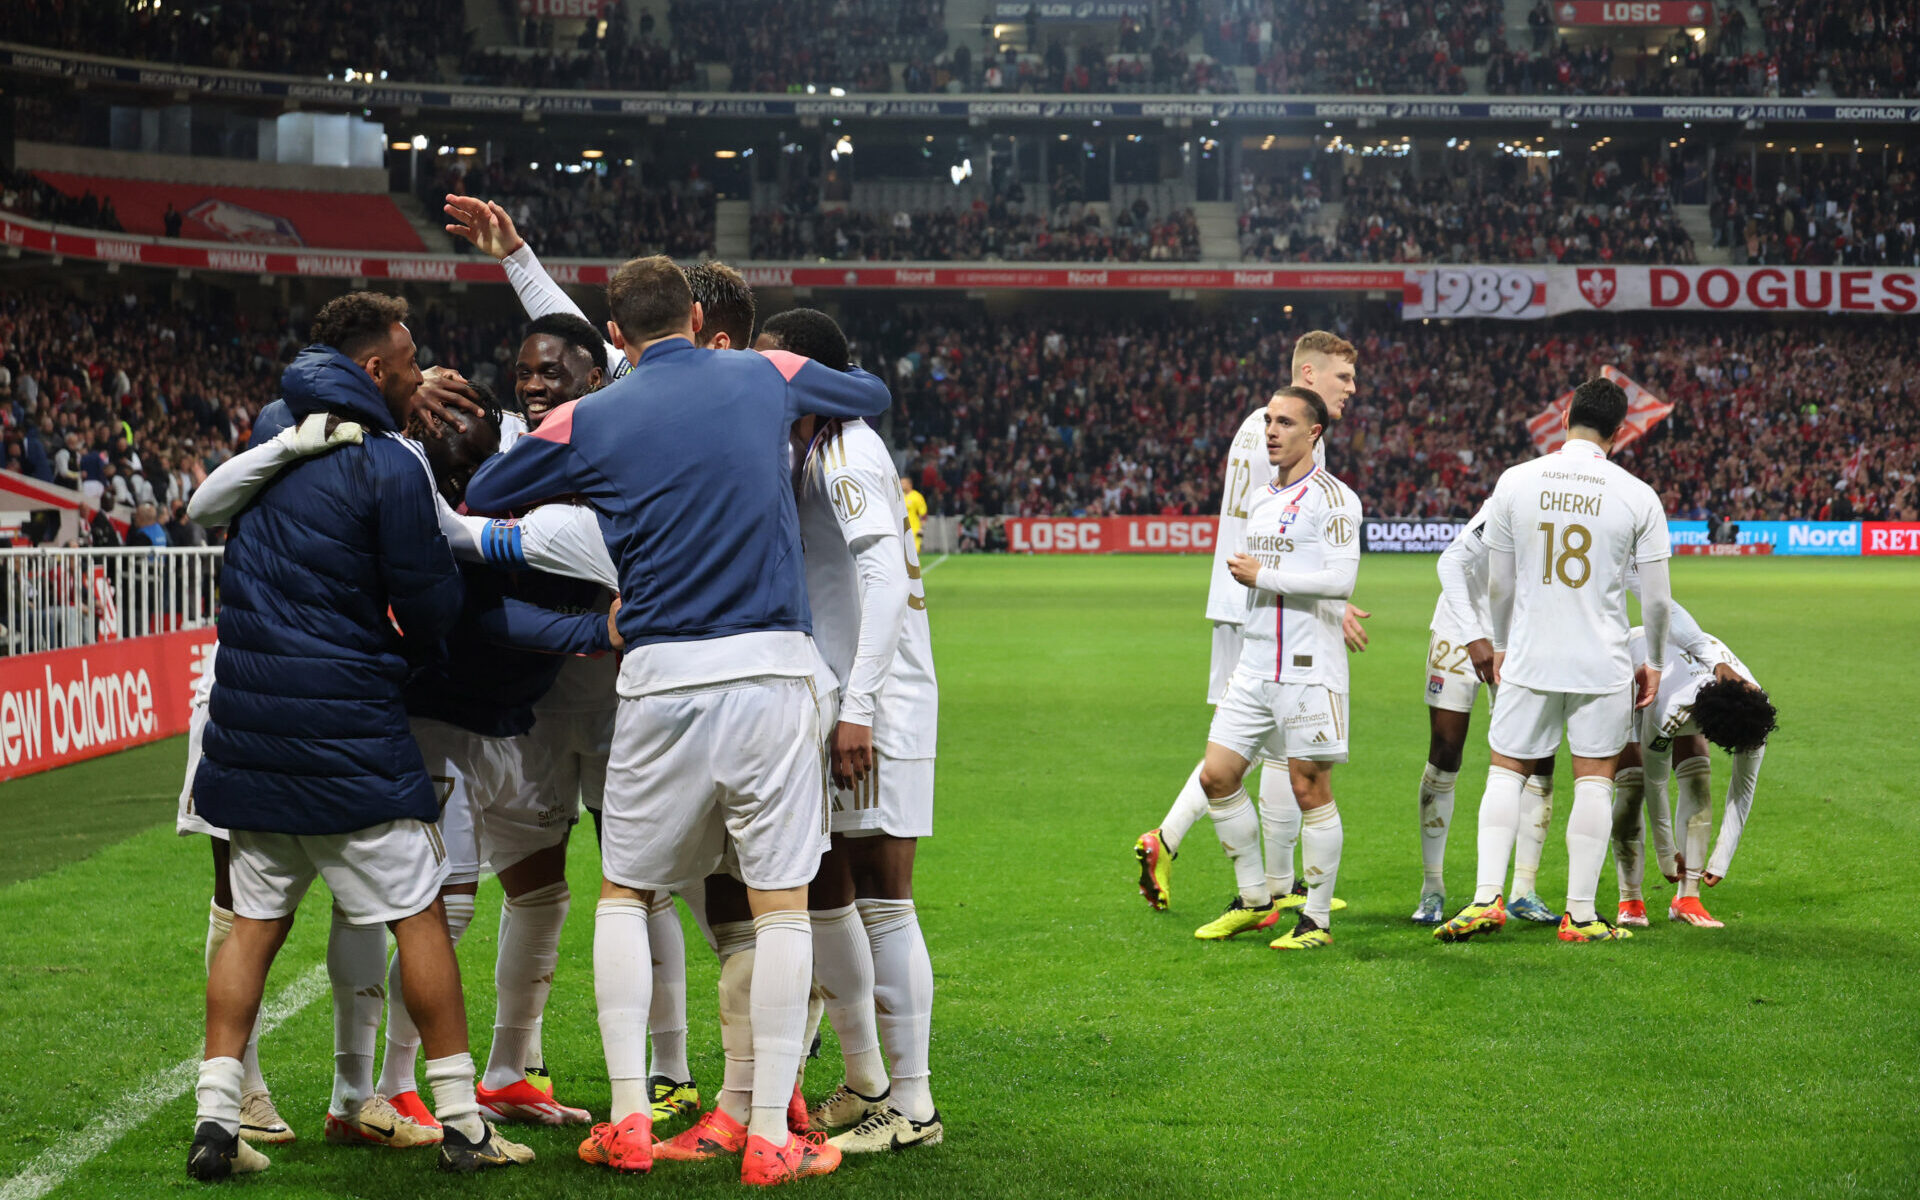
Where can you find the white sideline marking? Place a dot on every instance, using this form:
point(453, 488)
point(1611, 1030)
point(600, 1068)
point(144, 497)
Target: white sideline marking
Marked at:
point(52, 1168)
point(936, 562)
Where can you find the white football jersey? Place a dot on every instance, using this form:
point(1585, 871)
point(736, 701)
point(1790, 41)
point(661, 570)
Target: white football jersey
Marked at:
point(1687, 669)
point(850, 490)
point(1462, 614)
point(1248, 470)
point(1575, 522)
point(1307, 525)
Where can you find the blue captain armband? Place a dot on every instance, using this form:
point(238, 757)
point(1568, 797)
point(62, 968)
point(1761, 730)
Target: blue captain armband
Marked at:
point(500, 543)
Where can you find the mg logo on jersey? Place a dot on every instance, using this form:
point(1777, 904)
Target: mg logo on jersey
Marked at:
point(849, 497)
point(1598, 285)
point(1340, 531)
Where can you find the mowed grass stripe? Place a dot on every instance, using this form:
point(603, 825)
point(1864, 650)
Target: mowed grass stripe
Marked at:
point(1085, 1046)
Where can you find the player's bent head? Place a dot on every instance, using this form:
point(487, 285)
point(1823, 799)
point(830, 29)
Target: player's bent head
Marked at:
point(1734, 714)
point(572, 332)
point(650, 300)
point(454, 455)
point(726, 304)
point(359, 325)
point(1599, 405)
point(1321, 343)
point(1315, 409)
point(810, 333)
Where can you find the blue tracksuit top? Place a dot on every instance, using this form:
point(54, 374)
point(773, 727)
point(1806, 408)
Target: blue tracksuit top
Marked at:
point(686, 459)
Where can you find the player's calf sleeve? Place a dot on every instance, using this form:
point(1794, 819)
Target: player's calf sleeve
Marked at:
point(1629, 836)
point(459, 906)
point(1436, 814)
point(667, 1015)
point(218, 1094)
point(523, 968)
point(219, 926)
point(356, 967)
point(1745, 778)
point(1189, 806)
point(1693, 818)
point(623, 992)
point(1530, 838)
point(903, 996)
point(1499, 826)
point(735, 939)
point(1658, 773)
point(1587, 829)
point(1239, 832)
point(843, 965)
point(782, 976)
point(451, 1081)
point(1321, 836)
point(1279, 826)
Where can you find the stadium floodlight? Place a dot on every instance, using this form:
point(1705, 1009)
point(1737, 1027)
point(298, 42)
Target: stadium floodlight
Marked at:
point(842, 148)
point(419, 141)
point(836, 91)
point(592, 153)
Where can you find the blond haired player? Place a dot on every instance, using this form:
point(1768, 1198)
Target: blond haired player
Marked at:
point(1324, 363)
point(1287, 697)
point(1562, 531)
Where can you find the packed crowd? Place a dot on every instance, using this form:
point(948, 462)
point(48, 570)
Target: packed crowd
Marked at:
point(403, 40)
point(588, 215)
point(988, 230)
point(1842, 211)
point(1585, 214)
point(131, 404)
point(1333, 46)
point(1094, 416)
point(787, 44)
point(27, 194)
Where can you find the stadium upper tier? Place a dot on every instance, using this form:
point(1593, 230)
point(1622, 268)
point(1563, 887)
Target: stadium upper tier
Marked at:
point(1783, 51)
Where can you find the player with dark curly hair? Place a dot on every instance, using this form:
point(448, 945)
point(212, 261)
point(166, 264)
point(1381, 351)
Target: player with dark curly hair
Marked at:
point(1706, 695)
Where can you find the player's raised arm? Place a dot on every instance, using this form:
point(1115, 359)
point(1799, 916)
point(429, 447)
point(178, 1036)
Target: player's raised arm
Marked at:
point(542, 465)
point(491, 231)
point(823, 391)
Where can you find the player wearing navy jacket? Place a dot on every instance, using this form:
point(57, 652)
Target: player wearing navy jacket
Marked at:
point(718, 735)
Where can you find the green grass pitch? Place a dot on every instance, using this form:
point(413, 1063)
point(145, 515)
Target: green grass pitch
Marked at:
point(1085, 1046)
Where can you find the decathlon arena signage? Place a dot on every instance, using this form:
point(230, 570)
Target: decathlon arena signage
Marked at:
point(381, 94)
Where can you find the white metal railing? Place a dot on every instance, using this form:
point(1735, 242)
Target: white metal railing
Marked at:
point(78, 596)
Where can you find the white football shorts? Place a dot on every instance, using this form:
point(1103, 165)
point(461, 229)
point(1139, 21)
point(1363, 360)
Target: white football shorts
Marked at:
point(896, 798)
point(1451, 683)
point(1226, 655)
point(1526, 724)
point(493, 810)
point(696, 767)
point(186, 820)
point(574, 745)
point(380, 874)
point(1260, 718)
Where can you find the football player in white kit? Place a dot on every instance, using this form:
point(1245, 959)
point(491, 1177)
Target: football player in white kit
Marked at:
point(1287, 697)
point(1459, 659)
point(1562, 531)
point(1706, 695)
point(1325, 363)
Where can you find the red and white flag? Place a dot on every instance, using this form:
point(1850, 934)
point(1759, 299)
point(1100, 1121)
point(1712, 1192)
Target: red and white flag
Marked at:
point(1644, 411)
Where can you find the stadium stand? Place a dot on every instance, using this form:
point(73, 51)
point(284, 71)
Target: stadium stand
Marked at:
point(252, 216)
point(987, 230)
point(586, 214)
point(1852, 213)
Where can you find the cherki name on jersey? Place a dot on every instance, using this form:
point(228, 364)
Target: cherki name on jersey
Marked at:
point(1570, 502)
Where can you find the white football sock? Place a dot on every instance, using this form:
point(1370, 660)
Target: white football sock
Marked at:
point(356, 967)
point(1321, 836)
point(1629, 831)
point(782, 977)
point(219, 925)
point(1436, 814)
point(1239, 832)
point(1741, 784)
point(816, 1012)
point(403, 1037)
point(218, 1094)
point(523, 967)
point(843, 966)
point(451, 1081)
point(1189, 806)
point(734, 940)
point(1530, 838)
point(623, 992)
point(1279, 826)
point(1587, 829)
point(1499, 827)
point(536, 1053)
point(1693, 817)
point(1657, 775)
point(903, 994)
point(667, 1017)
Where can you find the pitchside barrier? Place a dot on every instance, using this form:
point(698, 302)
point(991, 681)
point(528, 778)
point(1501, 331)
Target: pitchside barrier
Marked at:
point(101, 649)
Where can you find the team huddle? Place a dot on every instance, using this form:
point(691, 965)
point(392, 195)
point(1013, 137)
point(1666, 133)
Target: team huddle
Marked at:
point(676, 581)
point(1532, 604)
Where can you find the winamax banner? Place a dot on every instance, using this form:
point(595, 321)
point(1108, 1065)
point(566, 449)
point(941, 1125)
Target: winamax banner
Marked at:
point(67, 705)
